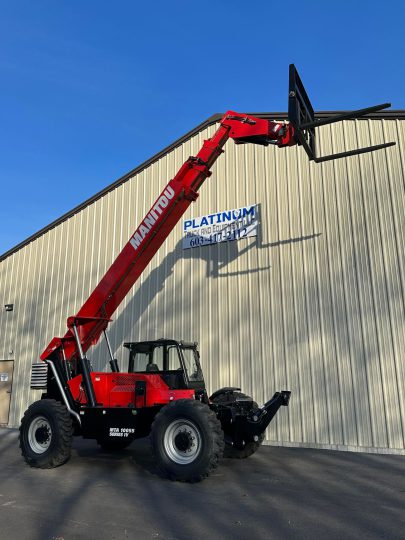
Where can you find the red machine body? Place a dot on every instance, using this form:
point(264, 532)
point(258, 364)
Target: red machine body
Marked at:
point(118, 390)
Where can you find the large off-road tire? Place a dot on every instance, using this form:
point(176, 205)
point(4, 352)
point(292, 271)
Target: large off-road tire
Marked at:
point(250, 447)
point(187, 440)
point(114, 444)
point(46, 434)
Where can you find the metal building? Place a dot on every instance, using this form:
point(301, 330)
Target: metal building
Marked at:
point(314, 303)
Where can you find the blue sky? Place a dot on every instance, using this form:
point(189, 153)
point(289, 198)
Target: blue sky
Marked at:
point(89, 90)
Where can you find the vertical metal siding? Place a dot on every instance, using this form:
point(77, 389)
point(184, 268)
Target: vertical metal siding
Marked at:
point(315, 304)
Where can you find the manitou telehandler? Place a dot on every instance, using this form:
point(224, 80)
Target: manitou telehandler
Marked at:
point(163, 393)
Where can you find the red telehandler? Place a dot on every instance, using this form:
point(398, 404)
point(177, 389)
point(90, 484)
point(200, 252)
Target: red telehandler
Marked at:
point(162, 394)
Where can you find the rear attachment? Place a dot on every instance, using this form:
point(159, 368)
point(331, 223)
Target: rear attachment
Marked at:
point(242, 421)
point(257, 421)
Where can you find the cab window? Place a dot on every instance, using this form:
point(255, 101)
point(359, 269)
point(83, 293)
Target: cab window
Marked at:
point(173, 358)
point(145, 361)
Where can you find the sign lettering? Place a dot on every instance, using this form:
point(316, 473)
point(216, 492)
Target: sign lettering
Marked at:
point(220, 227)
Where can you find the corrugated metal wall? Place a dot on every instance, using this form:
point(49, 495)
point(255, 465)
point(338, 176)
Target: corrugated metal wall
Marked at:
point(315, 304)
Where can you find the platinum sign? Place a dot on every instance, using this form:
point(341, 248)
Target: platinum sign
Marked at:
point(220, 227)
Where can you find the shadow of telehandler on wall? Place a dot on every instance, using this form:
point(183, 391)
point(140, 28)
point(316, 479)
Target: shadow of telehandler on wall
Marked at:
point(217, 257)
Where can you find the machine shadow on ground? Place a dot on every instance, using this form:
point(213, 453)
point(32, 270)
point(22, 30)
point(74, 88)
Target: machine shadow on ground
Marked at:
point(278, 492)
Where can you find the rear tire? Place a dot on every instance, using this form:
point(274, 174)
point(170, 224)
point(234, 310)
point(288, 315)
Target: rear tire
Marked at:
point(46, 434)
point(250, 447)
point(187, 440)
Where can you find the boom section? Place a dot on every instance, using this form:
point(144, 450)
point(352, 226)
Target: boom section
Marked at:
point(85, 328)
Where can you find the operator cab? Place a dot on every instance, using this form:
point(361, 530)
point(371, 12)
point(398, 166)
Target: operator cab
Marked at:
point(177, 362)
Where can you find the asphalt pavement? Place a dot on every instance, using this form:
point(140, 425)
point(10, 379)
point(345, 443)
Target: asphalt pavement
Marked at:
point(277, 493)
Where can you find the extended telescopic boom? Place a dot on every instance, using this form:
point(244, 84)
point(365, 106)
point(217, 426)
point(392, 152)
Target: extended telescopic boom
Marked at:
point(93, 317)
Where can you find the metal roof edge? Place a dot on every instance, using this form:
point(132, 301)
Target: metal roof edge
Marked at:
point(391, 114)
point(209, 121)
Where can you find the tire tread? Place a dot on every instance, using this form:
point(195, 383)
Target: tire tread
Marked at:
point(213, 426)
point(65, 434)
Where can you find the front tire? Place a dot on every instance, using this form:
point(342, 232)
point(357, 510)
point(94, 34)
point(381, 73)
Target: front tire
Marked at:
point(46, 434)
point(187, 440)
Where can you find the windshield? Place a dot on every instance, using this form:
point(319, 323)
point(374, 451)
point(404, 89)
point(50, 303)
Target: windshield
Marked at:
point(191, 364)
